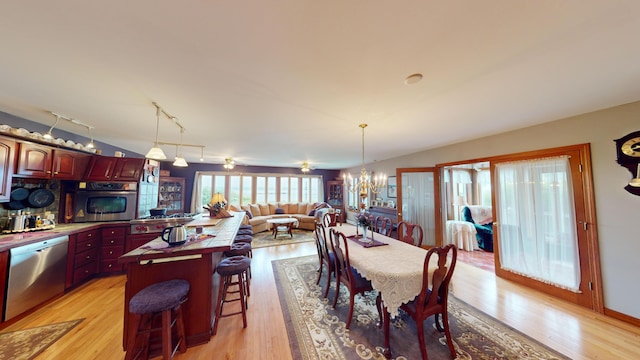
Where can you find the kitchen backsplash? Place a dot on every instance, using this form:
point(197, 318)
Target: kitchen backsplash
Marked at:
point(32, 184)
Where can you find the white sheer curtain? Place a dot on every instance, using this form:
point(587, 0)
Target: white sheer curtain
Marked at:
point(418, 205)
point(536, 221)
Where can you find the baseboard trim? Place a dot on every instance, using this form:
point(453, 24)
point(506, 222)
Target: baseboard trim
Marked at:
point(622, 317)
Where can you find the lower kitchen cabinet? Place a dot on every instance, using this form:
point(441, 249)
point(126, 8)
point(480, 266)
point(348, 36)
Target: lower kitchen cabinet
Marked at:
point(82, 257)
point(113, 239)
point(134, 241)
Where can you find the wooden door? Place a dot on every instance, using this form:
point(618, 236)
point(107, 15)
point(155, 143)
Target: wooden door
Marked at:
point(418, 201)
point(100, 168)
point(7, 157)
point(589, 293)
point(68, 165)
point(128, 169)
point(34, 161)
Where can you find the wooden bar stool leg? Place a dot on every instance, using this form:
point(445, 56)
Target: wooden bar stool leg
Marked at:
point(182, 346)
point(166, 334)
point(221, 291)
point(132, 336)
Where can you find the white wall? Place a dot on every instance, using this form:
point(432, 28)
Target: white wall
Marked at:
point(617, 211)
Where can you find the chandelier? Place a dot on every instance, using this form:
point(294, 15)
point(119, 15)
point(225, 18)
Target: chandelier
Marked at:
point(365, 182)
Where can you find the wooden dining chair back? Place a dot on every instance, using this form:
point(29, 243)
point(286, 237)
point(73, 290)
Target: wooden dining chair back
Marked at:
point(434, 295)
point(410, 233)
point(345, 273)
point(325, 256)
point(326, 220)
point(384, 226)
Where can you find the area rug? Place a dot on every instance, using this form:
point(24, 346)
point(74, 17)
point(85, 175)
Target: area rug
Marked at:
point(265, 238)
point(29, 343)
point(316, 331)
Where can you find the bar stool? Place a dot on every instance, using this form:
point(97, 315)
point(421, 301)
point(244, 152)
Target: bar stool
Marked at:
point(243, 238)
point(227, 268)
point(242, 249)
point(165, 299)
point(245, 232)
point(244, 227)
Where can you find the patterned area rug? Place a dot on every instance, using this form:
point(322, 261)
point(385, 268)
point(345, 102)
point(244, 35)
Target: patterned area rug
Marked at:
point(265, 238)
point(29, 343)
point(316, 331)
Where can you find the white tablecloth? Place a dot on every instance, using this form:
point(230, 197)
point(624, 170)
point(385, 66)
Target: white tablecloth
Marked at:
point(395, 270)
point(462, 234)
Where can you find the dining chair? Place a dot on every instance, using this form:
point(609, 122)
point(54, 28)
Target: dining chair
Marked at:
point(384, 226)
point(406, 232)
point(326, 220)
point(434, 295)
point(346, 274)
point(325, 256)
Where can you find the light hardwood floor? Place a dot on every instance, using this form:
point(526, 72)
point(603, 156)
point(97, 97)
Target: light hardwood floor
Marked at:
point(573, 331)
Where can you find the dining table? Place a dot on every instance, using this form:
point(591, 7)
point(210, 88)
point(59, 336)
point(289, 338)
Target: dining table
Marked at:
point(395, 269)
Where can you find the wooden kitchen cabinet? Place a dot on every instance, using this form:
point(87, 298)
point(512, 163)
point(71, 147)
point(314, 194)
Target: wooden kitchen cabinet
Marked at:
point(113, 239)
point(44, 162)
point(4, 265)
point(171, 194)
point(7, 160)
point(103, 168)
point(82, 256)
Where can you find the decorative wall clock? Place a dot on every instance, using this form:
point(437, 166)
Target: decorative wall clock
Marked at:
point(628, 151)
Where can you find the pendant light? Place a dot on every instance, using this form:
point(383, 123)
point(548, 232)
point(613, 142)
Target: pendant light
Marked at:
point(90, 145)
point(180, 161)
point(366, 183)
point(156, 152)
point(48, 134)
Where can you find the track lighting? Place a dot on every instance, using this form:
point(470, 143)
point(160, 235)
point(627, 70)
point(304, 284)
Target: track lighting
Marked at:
point(156, 152)
point(48, 134)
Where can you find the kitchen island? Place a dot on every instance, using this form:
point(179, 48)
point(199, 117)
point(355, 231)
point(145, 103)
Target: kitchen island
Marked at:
point(194, 261)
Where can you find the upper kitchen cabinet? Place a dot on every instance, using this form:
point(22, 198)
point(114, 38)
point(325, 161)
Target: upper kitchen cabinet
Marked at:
point(102, 168)
point(7, 160)
point(44, 162)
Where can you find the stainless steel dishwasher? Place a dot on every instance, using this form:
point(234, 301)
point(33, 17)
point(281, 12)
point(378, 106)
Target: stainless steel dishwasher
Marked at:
point(36, 274)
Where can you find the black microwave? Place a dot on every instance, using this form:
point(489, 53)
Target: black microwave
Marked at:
point(105, 201)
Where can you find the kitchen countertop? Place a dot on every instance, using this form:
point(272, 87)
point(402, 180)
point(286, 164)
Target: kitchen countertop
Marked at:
point(9, 241)
point(217, 236)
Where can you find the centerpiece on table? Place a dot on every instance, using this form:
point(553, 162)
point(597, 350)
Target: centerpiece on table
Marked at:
point(365, 222)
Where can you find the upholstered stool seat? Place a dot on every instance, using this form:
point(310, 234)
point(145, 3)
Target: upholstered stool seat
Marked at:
point(243, 238)
point(244, 227)
point(165, 299)
point(238, 248)
point(227, 269)
point(245, 232)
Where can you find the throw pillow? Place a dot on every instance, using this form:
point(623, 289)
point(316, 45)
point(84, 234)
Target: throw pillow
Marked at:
point(279, 211)
point(249, 214)
point(312, 212)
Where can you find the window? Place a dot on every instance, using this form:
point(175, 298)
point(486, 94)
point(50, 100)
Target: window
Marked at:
point(256, 188)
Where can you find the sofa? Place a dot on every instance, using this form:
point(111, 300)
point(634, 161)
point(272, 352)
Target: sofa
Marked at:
point(305, 213)
point(482, 219)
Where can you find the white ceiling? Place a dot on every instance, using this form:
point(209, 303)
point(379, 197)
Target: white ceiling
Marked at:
point(280, 82)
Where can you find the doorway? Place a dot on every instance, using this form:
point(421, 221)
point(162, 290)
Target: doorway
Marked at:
point(588, 289)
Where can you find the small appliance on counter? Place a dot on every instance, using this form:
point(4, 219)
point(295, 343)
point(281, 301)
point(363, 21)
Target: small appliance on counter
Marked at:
point(19, 222)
